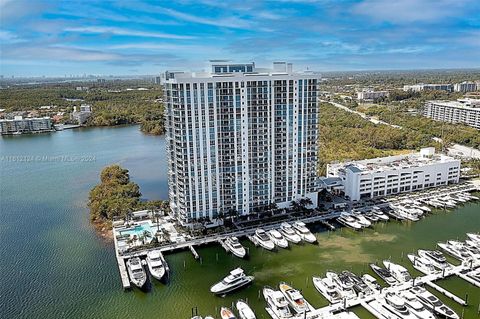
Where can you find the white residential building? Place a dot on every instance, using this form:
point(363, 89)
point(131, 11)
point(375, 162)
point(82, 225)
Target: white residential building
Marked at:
point(465, 111)
point(465, 87)
point(428, 87)
point(395, 174)
point(370, 95)
point(20, 125)
point(240, 138)
point(81, 114)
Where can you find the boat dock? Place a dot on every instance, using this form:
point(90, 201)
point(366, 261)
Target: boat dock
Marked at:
point(447, 293)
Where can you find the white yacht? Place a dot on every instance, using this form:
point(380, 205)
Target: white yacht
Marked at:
point(263, 239)
point(277, 238)
point(244, 310)
point(400, 273)
point(226, 313)
point(385, 274)
point(380, 215)
point(236, 279)
point(371, 282)
point(472, 244)
point(276, 303)
point(304, 233)
point(348, 221)
point(435, 257)
point(360, 287)
point(294, 298)
point(371, 217)
point(234, 246)
point(155, 264)
point(328, 289)
point(415, 306)
point(474, 237)
point(289, 233)
point(343, 283)
point(136, 272)
point(361, 219)
point(396, 305)
point(458, 252)
point(422, 264)
point(433, 303)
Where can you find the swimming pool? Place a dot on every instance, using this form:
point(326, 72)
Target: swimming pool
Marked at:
point(137, 230)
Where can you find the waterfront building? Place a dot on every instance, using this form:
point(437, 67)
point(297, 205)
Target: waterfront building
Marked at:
point(465, 111)
point(82, 113)
point(240, 138)
point(465, 87)
point(371, 95)
point(19, 125)
point(395, 174)
point(428, 87)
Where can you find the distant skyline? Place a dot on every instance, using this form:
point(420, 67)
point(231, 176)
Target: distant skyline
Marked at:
point(57, 38)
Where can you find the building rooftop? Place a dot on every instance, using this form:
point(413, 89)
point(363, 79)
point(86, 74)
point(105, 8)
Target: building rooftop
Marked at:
point(460, 103)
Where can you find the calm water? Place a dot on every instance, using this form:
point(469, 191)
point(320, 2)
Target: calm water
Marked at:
point(54, 266)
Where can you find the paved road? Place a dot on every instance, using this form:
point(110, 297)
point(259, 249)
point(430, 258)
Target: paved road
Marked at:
point(454, 150)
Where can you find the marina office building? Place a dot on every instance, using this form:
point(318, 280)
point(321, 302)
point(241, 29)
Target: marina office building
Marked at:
point(395, 174)
point(240, 138)
point(465, 111)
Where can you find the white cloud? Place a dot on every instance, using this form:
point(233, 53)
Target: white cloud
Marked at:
point(126, 32)
point(9, 37)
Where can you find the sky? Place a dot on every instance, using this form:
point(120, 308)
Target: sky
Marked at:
point(104, 37)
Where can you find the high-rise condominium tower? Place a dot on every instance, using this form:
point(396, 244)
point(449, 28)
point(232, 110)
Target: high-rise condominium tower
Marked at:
point(240, 138)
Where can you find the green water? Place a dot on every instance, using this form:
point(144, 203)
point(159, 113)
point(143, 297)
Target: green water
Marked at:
point(54, 266)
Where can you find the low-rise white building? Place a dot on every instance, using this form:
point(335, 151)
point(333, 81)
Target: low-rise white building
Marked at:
point(465, 87)
point(20, 125)
point(428, 87)
point(395, 174)
point(370, 95)
point(82, 114)
point(465, 111)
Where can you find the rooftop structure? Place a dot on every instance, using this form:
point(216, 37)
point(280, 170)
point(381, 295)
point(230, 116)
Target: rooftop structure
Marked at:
point(240, 138)
point(395, 174)
point(465, 111)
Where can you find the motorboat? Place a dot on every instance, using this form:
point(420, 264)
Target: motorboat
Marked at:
point(236, 279)
point(415, 306)
point(234, 246)
point(348, 221)
point(396, 305)
point(328, 289)
point(395, 213)
point(276, 303)
point(289, 233)
point(400, 273)
point(474, 237)
point(244, 310)
point(263, 239)
point(136, 272)
point(423, 265)
point(343, 283)
point(458, 252)
point(294, 298)
point(422, 207)
point(472, 244)
point(226, 313)
point(371, 217)
point(385, 274)
point(358, 285)
point(433, 303)
point(436, 258)
point(435, 203)
point(277, 238)
point(371, 282)
point(407, 213)
point(361, 219)
point(380, 215)
point(155, 264)
point(473, 249)
point(304, 233)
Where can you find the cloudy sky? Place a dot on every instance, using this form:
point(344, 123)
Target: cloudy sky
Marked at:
point(47, 37)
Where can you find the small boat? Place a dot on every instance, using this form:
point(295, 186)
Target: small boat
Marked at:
point(277, 238)
point(396, 305)
point(358, 285)
point(400, 273)
point(197, 317)
point(294, 298)
point(289, 233)
point(422, 264)
point(361, 219)
point(371, 282)
point(263, 239)
point(433, 303)
point(155, 264)
point(136, 272)
point(371, 217)
point(435, 257)
point(236, 279)
point(343, 283)
point(328, 289)
point(384, 274)
point(226, 313)
point(380, 215)
point(304, 233)
point(244, 310)
point(276, 303)
point(348, 221)
point(415, 306)
point(234, 246)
